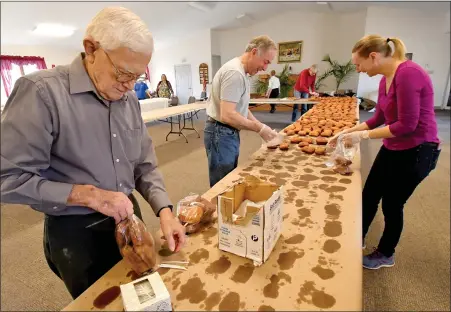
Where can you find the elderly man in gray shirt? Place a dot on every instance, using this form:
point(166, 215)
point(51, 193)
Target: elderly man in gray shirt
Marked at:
point(74, 146)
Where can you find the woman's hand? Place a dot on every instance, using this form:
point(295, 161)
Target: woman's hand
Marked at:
point(355, 137)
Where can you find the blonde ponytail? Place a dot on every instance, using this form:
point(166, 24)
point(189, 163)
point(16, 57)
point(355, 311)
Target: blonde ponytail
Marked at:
point(400, 49)
point(376, 43)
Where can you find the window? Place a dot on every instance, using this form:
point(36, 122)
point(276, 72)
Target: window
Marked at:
point(14, 67)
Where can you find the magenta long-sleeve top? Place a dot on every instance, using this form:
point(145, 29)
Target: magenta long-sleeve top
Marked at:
point(407, 108)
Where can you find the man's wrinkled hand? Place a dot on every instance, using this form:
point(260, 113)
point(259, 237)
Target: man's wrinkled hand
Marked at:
point(109, 203)
point(172, 229)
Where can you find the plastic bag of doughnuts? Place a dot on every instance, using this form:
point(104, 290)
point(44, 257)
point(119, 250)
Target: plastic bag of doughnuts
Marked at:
point(194, 212)
point(136, 245)
point(341, 156)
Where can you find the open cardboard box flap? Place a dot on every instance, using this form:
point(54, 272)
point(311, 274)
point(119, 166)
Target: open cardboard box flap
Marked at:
point(252, 189)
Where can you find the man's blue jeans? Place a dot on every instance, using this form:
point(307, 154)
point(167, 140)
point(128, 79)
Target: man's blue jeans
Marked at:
point(222, 144)
point(304, 107)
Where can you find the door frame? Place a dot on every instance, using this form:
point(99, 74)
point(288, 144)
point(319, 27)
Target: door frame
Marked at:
point(191, 77)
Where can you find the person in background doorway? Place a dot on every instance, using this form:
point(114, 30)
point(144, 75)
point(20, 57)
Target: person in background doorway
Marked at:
point(303, 88)
point(273, 89)
point(82, 148)
point(164, 88)
point(141, 89)
point(228, 107)
point(410, 147)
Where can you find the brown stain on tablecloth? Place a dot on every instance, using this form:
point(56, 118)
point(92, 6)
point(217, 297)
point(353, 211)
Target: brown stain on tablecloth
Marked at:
point(301, 184)
point(176, 283)
point(219, 266)
point(332, 188)
point(106, 297)
point(333, 210)
point(231, 302)
point(327, 172)
point(323, 273)
point(319, 298)
point(272, 289)
point(285, 276)
point(328, 179)
point(193, 290)
point(308, 177)
point(332, 228)
point(212, 301)
point(198, 255)
point(267, 172)
point(208, 234)
point(331, 246)
point(303, 213)
point(277, 180)
point(332, 196)
point(243, 273)
point(296, 239)
point(266, 308)
point(286, 259)
point(345, 181)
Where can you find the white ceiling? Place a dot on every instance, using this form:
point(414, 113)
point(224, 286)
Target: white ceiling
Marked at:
point(168, 21)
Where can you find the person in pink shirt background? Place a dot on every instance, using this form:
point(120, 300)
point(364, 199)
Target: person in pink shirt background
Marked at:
point(410, 147)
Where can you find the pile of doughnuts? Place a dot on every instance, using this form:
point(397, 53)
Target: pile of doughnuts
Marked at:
point(136, 245)
point(327, 118)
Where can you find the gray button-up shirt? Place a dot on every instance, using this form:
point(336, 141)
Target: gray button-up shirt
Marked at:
point(56, 131)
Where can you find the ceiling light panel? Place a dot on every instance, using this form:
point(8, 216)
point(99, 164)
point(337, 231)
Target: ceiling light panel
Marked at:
point(53, 30)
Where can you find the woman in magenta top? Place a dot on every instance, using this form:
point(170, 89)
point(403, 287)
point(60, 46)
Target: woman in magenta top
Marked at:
point(410, 150)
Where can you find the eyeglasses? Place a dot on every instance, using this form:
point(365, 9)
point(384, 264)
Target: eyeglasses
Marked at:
point(124, 77)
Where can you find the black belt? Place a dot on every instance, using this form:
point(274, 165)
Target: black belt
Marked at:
point(221, 124)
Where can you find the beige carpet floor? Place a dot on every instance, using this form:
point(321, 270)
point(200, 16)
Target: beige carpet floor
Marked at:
point(419, 281)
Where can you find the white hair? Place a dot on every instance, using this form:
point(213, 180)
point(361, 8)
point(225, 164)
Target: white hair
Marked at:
point(115, 27)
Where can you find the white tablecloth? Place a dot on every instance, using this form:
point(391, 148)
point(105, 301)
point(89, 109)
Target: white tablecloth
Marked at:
point(155, 103)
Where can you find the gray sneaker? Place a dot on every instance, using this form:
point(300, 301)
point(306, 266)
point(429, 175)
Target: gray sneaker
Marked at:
point(377, 260)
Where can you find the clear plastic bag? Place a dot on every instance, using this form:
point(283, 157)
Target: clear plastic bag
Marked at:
point(136, 245)
point(342, 155)
point(194, 212)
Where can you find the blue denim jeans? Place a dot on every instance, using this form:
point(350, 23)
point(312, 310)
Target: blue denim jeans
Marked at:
point(304, 107)
point(223, 148)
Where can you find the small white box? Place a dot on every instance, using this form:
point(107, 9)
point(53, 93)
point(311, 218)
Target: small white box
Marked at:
point(250, 233)
point(147, 293)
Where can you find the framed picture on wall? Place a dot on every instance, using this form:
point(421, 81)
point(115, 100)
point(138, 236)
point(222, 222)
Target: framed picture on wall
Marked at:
point(409, 56)
point(290, 52)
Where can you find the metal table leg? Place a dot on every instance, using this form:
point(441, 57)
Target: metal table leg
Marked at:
point(179, 119)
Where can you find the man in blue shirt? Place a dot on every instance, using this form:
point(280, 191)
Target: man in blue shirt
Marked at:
point(141, 90)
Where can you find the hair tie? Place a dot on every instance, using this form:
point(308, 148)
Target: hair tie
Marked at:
point(388, 40)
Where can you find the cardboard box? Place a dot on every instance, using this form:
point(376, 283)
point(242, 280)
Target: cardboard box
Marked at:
point(252, 232)
point(147, 293)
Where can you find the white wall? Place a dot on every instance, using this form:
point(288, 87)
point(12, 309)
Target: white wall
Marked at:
point(322, 34)
point(215, 43)
point(287, 27)
point(193, 50)
point(52, 55)
point(340, 35)
point(423, 34)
